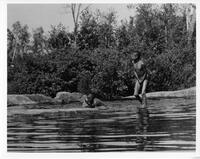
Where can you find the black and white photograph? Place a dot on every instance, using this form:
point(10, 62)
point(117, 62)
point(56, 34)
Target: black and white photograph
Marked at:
point(101, 77)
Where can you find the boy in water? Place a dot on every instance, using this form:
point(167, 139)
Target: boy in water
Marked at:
point(89, 101)
point(141, 74)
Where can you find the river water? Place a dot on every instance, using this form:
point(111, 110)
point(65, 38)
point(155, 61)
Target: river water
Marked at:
point(167, 125)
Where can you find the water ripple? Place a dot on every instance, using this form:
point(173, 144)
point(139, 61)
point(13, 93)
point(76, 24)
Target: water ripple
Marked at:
point(169, 126)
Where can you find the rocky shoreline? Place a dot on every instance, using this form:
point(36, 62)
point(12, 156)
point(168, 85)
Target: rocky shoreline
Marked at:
point(67, 97)
point(170, 94)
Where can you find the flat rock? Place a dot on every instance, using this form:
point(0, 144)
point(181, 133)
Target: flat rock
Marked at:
point(19, 100)
point(67, 97)
point(40, 98)
point(170, 94)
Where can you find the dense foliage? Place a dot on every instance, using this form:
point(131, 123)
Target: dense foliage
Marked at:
point(99, 60)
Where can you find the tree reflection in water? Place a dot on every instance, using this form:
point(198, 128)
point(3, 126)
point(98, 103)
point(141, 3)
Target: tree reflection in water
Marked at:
point(90, 143)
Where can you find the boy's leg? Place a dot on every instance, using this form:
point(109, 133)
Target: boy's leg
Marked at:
point(144, 100)
point(136, 91)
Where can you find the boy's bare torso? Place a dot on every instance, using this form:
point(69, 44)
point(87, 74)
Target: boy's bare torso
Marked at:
point(140, 69)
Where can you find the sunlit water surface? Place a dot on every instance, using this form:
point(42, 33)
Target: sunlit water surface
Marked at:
point(169, 125)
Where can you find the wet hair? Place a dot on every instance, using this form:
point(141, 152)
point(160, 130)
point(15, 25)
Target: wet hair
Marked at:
point(90, 95)
point(137, 52)
point(90, 99)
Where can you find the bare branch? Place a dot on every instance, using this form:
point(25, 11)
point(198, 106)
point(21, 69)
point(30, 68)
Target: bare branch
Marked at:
point(73, 12)
point(78, 12)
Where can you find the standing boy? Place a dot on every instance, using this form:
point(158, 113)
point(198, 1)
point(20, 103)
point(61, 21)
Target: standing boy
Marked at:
point(141, 74)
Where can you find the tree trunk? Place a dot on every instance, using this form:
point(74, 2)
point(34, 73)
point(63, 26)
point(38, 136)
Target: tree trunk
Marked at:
point(190, 20)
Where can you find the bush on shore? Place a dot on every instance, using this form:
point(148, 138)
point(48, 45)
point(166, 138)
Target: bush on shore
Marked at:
point(96, 58)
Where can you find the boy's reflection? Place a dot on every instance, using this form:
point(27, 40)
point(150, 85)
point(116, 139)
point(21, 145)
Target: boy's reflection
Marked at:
point(142, 122)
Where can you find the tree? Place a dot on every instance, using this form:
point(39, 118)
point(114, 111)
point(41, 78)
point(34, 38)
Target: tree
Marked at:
point(59, 38)
point(10, 44)
point(190, 20)
point(39, 41)
point(21, 39)
point(97, 30)
point(107, 25)
point(125, 34)
point(88, 36)
point(76, 10)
